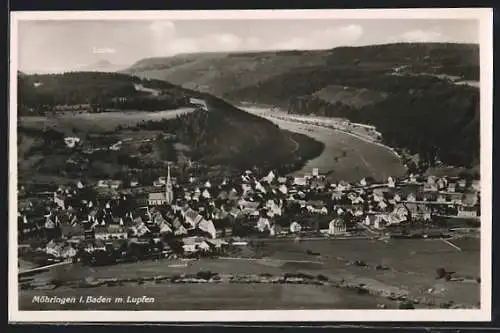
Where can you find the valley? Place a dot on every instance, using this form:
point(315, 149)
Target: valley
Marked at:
point(345, 156)
point(422, 97)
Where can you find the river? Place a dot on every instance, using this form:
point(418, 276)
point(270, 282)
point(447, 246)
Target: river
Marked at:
point(345, 157)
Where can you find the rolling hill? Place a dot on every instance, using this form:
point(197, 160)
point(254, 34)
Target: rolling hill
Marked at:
point(418, 95)
point(223, 136)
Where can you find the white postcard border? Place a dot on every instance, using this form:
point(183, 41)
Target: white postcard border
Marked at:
point(485, 15)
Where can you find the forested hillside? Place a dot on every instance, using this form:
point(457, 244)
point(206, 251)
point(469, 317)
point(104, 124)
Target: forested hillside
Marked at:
point(420, 96)
point(95, 91)
point(221, 136)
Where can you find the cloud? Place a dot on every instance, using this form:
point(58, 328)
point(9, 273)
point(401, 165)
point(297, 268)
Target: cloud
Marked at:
point(420, 36)
point(324, 38)
point(167, 42)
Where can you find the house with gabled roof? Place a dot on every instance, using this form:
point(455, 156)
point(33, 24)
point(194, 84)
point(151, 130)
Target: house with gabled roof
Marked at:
point(418, 212)
point(109, 232)
point(336, 227)
point(208, 227)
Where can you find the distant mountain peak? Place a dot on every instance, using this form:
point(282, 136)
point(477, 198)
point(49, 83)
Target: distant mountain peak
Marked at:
point(102, 65)
point(103, 62)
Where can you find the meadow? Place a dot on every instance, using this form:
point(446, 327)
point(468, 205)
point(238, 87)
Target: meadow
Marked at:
point(72, 123)
point(412, 267)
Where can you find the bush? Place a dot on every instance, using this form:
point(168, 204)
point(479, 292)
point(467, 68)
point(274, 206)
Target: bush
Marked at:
point(406, 306)
point(205, 275)
point(321, 277)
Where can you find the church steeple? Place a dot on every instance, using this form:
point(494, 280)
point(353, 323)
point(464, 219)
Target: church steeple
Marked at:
point(169, 195)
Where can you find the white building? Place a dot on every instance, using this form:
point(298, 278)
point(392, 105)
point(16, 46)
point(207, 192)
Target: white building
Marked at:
point(295, 227)
point(336, 227)
point(315, 172)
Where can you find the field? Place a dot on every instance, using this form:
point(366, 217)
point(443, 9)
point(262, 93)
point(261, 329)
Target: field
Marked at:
point(412, 266)
point(214, 297)
point(71, 122)
point(345, 157)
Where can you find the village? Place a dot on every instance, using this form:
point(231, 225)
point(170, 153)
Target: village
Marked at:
point(105, 223)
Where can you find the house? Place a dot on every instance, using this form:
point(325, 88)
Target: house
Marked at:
point(263, 224)
point(336, 227)
point(382, 205)
point(59, 200)
point(206, 194)
point(282, 180)
point(72, 230)
point(467, 211)
point(412, 178)
point(476, 185)
point(411, 197)
point(462, 183)
point(248, 207)
point(470, 199)
point(71, 142)
point(295, 227)
point(455, 197)
point(110, 232)
point(430, 186)
point(54, 249)
point(391, 182)
point(109, 183)
point(191, 217)
point(343, 186)
point(269, 178)
point(190, 245)
point(198, 103)
point(283, 189)
point(208, 227)
point(357, 200)
point(179, 229)
point(337, 195)
point(399, 214)
point(452, 187)
point(156, 199)
point(217, 244)
point(315, 172)
point(318, 183)
point(68, 252)
point(377, 221)
point(273, 208)
point(442, 184)
point(300, 181)
point(235, 212)
point(419, 212)
point(97, 245)
point(165, 228)
point(441, 198)
point(140, 229)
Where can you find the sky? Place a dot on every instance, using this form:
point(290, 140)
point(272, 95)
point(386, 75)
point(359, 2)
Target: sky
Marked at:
point(64, 45)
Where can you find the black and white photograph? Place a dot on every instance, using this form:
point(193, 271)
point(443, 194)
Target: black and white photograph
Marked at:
point(321, 165)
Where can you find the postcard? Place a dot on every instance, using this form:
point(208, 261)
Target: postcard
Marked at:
point(250, 166)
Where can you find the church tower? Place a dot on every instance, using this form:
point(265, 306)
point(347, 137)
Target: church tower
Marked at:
point(169, 194)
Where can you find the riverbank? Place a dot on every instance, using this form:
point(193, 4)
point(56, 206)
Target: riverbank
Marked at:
point(345, 156)
point(318, 121)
